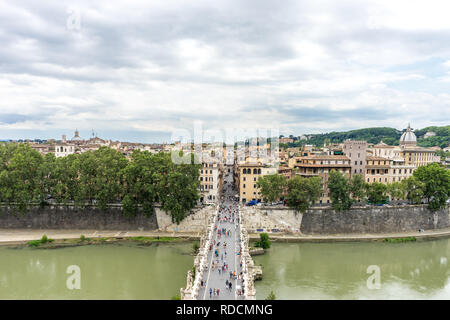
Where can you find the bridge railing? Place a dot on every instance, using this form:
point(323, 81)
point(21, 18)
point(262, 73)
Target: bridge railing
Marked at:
point(200, 262)
point(247, 262)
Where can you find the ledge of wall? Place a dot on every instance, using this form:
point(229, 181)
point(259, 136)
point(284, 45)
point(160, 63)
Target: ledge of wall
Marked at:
point(324, 220)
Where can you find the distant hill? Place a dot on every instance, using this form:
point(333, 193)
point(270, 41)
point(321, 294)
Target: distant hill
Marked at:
point(389, 136)
point(441, 139)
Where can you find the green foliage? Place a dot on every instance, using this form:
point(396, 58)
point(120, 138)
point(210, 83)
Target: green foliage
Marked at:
point(271, 186)
point(376, 193)
point(414, 190)
point(264, 241)
point(340, 190)
point(44, 239)
point(34, 243)
point(195, 247)
point(97, 178)
point(176, 297)
point(399, 240)
point(19, 178)
point(358, 187)
point(194, 271)
point(441, 139)
point(397, 190)
point(82, 237)
point(37, 243)
point(371, 135)
point(389, 136)
point(435, 184)
point(303, 191)
point(271, 296)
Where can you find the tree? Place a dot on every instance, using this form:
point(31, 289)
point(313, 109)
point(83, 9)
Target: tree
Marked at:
point(436, 184)
point(272, 186)
point(19, 180)
point(264, 241)
point(376, 192)
point(414, 190)
point(397, 190)
point(98, 178)
point(339, 188)
point(178, 186)
point(303, 191)
point(358, 187)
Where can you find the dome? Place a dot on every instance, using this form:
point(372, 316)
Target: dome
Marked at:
point(77, 136)
point(408, 137)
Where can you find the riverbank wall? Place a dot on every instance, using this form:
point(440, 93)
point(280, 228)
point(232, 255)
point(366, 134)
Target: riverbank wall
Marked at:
point(70, 217)
point(357, 220)
point(112, 218)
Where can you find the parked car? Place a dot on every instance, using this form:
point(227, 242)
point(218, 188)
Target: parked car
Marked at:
point(251, 203)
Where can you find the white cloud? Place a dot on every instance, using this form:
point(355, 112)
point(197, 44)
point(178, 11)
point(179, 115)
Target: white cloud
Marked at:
point(154, 67)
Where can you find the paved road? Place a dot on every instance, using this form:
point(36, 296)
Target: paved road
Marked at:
point(212, 277)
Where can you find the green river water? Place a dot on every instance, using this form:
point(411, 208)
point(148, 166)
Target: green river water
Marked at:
point(109, 271)
point(410, 270)
point(415, 270)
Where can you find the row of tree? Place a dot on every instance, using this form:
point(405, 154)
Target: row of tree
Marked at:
point(430, 184)
point(97, 178)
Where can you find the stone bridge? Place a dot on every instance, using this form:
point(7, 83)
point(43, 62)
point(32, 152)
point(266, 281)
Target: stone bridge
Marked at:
point(222, 254)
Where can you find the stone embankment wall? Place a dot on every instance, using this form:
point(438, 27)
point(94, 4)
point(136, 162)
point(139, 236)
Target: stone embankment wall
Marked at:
point(196, 222)
point(70, 217)
point(320, 220)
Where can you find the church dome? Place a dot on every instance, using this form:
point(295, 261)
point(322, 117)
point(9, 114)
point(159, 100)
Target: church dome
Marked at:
point(408, 137)
point(77, 136)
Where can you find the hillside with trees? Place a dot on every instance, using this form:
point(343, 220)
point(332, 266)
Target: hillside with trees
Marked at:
point(389, 136)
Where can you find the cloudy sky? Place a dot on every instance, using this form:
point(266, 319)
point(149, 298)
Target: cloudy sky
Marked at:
point(139, 70)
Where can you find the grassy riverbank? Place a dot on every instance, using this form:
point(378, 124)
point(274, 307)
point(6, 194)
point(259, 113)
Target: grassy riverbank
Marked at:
point(47, 243)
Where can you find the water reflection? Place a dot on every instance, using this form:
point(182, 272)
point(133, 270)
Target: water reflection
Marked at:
point(107, 272)
point(339, 270)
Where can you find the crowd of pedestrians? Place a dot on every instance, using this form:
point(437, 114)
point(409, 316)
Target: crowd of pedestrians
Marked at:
point(225, 250)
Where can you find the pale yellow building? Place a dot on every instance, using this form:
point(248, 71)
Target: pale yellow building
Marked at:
point(248, 174)
point(378, 170)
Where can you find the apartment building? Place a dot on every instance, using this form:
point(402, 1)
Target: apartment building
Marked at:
point(248, 175)
point(209, 182)
point(356, 152)
point(378, 169)
point(321, 166)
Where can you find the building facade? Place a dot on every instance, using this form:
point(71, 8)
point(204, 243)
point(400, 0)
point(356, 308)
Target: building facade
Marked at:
point(356, 152)
point(321, 166)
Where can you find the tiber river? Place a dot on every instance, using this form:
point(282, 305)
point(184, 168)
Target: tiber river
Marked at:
point(419, 270)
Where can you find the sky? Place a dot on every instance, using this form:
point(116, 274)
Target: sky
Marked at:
point(141, 70)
